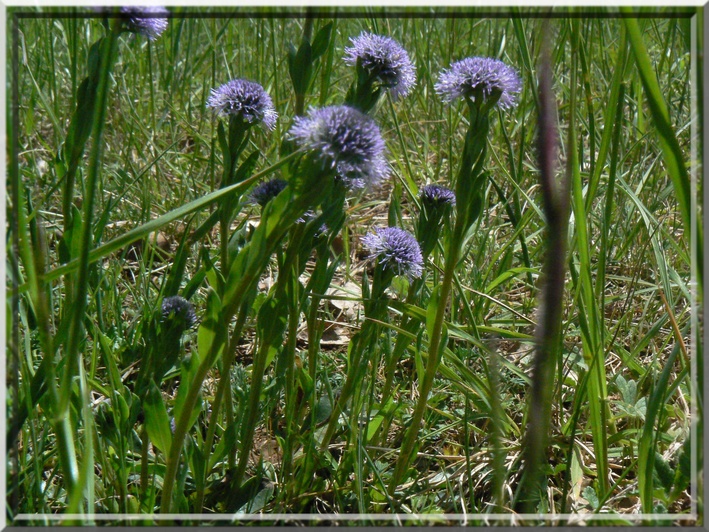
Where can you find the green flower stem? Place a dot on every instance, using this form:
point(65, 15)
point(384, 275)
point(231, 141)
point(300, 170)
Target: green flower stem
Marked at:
point(294, 305)
point(402, 341)
point(434, 356)
point(238, 137)
point(278, 216)
point(362, 94)
point(224, 385)
point(364, 341)
point(428, 231)
point(468, 208)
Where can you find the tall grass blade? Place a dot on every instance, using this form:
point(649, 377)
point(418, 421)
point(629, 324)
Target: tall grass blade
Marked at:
point(671, 150)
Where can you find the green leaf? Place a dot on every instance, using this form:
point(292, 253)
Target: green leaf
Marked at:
point(664, 472)
point(509, 274)
point(321, 41)
point(628, 389)
point(214, 277)
point(671, 150)
point(683, 473)
point(300, 68)
point(114, 375)
point(210, 323)
point(157, 422)
point(70, 243)
point(590, 495)
point(188, 370)
point(292, 52)
point(247, 167)
point(646, 445)
point(373, 427)
point(226, 442)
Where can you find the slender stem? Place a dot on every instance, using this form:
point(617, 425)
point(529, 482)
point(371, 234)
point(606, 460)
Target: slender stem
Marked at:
point(402, 341)
point(468, 208)
point(434, 352)
point(290, 396)
point(362, 343)
point(145, 440)
point(79, 304)
point(238, 130)
point(182, 423)
point(224, 386)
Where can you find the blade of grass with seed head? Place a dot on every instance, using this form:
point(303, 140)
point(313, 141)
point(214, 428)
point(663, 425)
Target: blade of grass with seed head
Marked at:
point(548, 333)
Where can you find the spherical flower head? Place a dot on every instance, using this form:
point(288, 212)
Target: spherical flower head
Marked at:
point(436, 196)
point(345, 140)
point(147, 21)
point(244, 98)
point(384, 59)
point(396, 250)
point(477, 78)
point(267, 190)
point(178, 312)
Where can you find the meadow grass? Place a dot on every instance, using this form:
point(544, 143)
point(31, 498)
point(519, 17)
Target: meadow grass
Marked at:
point(252, 418)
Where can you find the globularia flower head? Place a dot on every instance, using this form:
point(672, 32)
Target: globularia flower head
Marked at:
point(396, 250)
point(267, 190)
point(477, 78)
point(346, 140)
point(147, 21)
point(384, 59)
point(178, 312)
point(436, 196)
point(244, 98)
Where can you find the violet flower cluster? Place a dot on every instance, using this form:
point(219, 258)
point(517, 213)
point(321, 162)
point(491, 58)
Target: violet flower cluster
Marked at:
point(436, 197)
point(179, 312)
point(396, 250)
point(385, 61)
point(267, 190)
point(345, 140)
point(479, 79)
point(150, 21)
point(245, 99)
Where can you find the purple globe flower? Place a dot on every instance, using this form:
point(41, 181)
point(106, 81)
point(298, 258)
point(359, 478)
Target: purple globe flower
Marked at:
point(478, 78)
point(147, 21)
point(179, 312)
point(246, 99)
point(436, 196)
point(267, 190)
point(395, 250)
point(346, 140)
point(384, 59)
